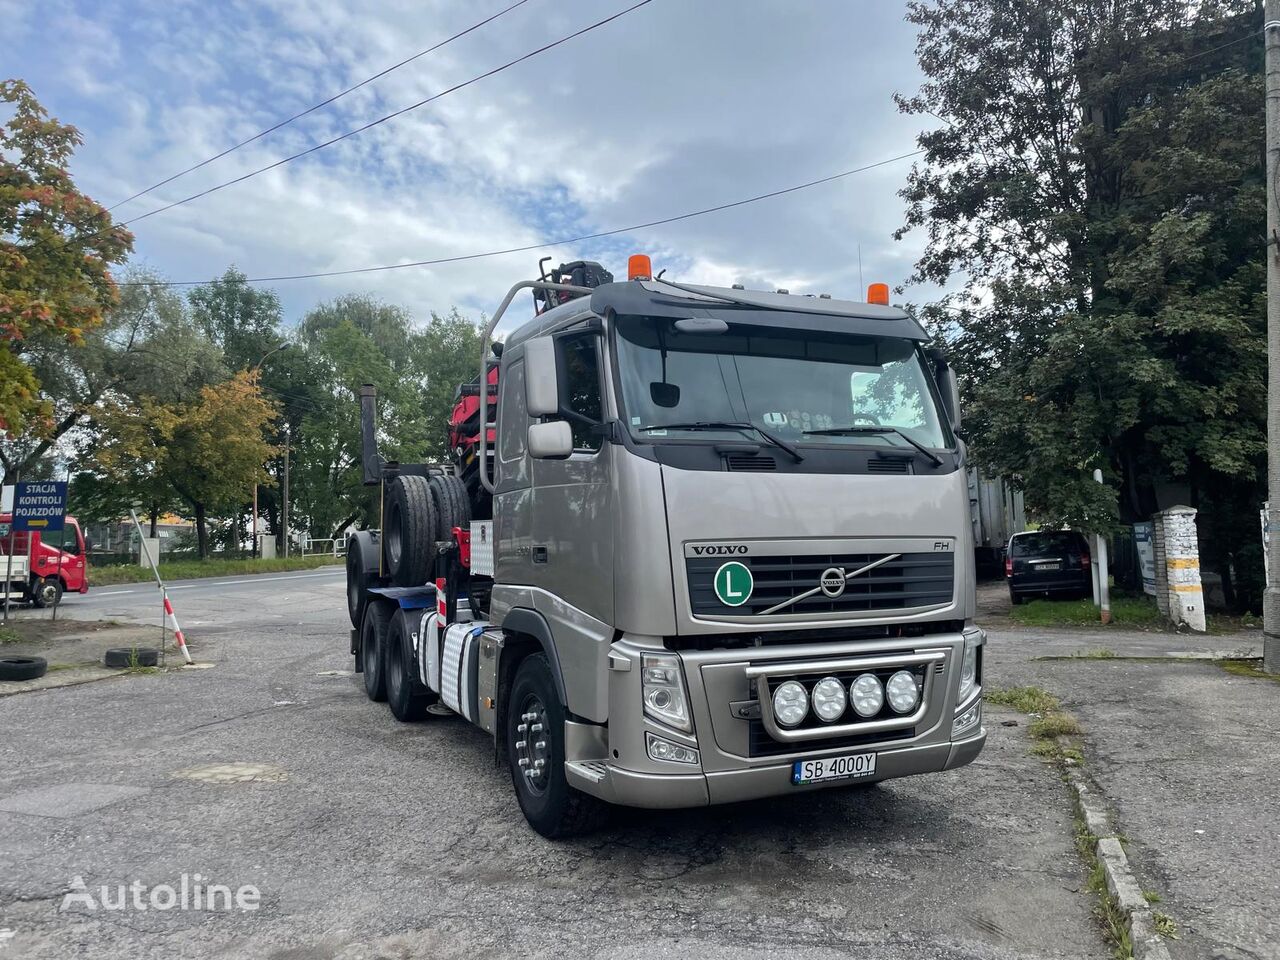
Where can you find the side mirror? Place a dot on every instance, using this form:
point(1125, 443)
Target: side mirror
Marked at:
point(951, 396)
point(541, 386)
point(551, 441)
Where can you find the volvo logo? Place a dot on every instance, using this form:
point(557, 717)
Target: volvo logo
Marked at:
point(720, 549)
point(832, 582)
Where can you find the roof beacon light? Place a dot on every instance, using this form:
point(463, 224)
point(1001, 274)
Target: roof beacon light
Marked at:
point(639, 267)
point(878, 293)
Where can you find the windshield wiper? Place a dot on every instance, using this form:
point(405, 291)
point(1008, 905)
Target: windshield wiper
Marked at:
point(730, 425)
point(853, 431)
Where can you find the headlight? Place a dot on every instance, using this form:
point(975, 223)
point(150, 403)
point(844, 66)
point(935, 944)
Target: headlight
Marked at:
point(663, 687)
point(902, 690)
point(966, 720)
point(828, 699)
point(662, 749)
point(866, 695)
point(973, 640)
point(790, 703)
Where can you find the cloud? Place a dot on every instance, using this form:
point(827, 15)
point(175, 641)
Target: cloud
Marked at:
point(674, 107)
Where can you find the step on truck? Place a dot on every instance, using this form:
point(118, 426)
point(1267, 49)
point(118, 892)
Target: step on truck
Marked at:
point(695, 545)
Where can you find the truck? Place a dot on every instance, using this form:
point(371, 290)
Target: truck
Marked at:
point(694, 545)
point(40, 572)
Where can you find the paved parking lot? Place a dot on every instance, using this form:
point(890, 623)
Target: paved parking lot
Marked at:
point(369, 838)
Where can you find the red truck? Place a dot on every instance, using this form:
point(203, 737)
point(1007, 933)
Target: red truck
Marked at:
point(41, 572)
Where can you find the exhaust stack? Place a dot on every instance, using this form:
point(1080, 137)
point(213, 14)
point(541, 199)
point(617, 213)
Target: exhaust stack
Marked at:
point(369, 435)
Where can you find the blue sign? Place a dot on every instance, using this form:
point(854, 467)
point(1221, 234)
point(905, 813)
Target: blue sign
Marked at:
point(39, 505)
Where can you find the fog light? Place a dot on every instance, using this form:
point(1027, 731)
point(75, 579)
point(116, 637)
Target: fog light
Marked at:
point(828, 699)
point(790, 703)
point(866, 695)
point(967, 720)
point(902, 690)
point(660, 749)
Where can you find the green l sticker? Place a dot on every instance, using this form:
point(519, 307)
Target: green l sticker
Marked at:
point(734, 584)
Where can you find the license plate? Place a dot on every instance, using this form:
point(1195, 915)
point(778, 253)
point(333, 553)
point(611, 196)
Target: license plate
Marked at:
point(848, 767)
point(1048, 566)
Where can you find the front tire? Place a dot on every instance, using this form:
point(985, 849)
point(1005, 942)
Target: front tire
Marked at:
point(536, 756)
point(373, 635)
point(406, 695)
point(46, 592)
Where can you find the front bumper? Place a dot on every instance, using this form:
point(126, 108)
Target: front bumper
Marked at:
point(741, 753)
point(629, 788)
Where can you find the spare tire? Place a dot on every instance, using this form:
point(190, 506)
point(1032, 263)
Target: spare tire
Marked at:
point(22, 668)
point(408, 531)
point(453, 507)
point(121, 658)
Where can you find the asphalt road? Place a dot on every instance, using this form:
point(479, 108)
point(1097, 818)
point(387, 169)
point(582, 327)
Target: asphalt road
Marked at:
point(370, 838)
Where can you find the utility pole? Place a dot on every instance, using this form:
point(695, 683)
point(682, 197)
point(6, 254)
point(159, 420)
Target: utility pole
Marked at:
point(1271, 599)
point(284, 499)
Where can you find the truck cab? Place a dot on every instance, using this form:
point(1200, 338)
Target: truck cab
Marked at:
point(727, 553)
point(48, 570)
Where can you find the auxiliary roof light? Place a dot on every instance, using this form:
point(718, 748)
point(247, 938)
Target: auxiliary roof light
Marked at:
point(878, 293)
point(639, 267)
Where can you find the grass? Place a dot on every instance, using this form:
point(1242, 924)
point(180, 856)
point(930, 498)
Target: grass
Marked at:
point(1053, 725)
point(197, 569)
point(1166, 926)
point(8, 635)
point(1151, 896)
point(1125, 611)
point(1025, 699)
point(1247, 668)
point(1106, 910)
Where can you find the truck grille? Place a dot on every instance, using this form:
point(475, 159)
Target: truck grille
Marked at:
point(911, 580)
point(761, 744)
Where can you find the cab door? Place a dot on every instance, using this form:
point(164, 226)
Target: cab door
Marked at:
point(572, 537)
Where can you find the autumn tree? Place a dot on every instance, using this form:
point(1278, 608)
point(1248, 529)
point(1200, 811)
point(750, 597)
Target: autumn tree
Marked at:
point(1093, 181)
point(56, 246)
point(209, 449)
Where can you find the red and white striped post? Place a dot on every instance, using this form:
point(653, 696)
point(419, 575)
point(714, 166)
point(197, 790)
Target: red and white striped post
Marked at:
point(169, 615)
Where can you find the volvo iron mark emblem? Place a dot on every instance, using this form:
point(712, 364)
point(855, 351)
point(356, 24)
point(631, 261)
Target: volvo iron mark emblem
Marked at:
point(832, 582)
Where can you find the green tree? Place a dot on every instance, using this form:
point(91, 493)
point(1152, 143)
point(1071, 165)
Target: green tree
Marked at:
point(242, 320)
point(56, 246)
point(1094, 181)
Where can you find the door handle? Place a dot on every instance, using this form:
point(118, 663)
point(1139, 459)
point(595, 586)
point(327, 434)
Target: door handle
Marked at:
point(540, 554)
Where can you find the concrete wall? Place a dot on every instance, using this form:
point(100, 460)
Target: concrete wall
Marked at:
point(1179, 592)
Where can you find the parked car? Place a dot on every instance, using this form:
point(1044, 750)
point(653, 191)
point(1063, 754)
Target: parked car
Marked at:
point(1048, 563)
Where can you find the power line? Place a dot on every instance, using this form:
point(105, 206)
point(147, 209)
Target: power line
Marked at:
point(551, 243)
point(389, 116)
point(322, 103)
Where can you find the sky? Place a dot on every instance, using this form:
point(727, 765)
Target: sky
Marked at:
point(679, 105)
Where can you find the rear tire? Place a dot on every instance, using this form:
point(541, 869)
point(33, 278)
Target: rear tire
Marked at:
point(373, 635)
point(409, 531)
point(357, 582)
point(552, 807)
point(407, 697)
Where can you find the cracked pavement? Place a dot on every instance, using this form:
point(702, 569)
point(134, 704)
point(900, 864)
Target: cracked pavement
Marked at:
point(387, 840)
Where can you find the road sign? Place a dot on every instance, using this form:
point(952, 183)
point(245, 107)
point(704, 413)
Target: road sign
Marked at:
point(733, 584)
point(40, 505)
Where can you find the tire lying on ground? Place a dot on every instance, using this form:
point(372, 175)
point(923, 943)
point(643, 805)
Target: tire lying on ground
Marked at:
point(22, 668)
point(409, 527)
point(120, 658)
point(453, 507)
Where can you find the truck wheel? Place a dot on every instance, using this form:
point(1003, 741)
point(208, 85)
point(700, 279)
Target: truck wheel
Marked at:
point(535, 753)
point(407, 697)
point(46, 592)
point(453, 508)
point(357, 582)
point(409, 530)
point(373, 634)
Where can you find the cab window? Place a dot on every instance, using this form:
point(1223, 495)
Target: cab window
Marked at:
point(579, 368)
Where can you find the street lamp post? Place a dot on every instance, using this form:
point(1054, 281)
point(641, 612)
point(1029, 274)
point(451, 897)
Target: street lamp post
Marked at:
point(257, 368)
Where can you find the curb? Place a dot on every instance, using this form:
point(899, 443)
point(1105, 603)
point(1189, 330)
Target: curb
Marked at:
point(1121, 883)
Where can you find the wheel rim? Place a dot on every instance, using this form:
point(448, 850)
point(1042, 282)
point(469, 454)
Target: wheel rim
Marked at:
point(533, 745)
point(48, 593)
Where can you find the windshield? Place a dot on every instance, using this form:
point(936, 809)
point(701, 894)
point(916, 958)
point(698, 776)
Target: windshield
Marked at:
point(789, 382)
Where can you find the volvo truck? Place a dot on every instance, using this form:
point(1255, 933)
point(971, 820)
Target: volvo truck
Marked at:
point(695, 545)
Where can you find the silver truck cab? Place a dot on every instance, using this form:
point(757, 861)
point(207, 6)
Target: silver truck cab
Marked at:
point(736, 525)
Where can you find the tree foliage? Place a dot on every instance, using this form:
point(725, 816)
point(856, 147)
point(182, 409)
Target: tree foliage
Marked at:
point(56, 246)
point(1094, 180)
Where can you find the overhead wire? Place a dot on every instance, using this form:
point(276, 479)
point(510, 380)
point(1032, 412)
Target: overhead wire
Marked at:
point(323, 103)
